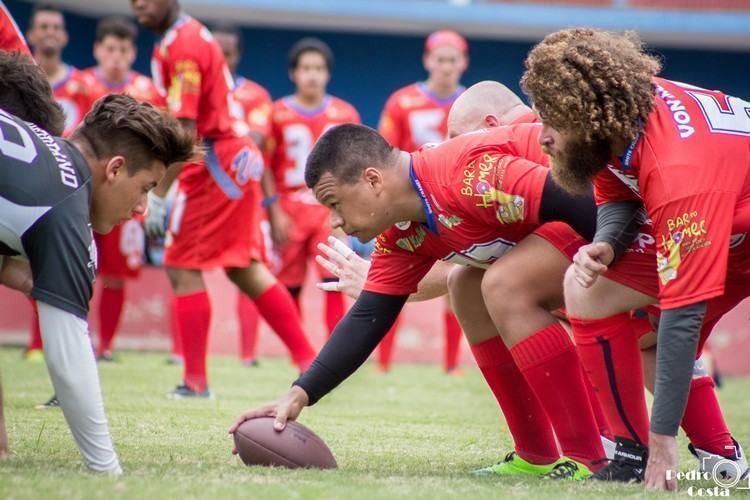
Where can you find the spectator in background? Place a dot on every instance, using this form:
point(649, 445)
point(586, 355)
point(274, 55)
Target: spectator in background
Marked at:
point(298, 221)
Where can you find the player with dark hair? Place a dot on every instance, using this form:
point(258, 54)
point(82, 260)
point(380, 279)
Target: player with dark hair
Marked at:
point(54, 193)
point(251, 109)
point(468, 200)
point(47, 35)
point(681, 152)
point(417, 115)
point(121, 250)
point(298, 221)
point(213, 195)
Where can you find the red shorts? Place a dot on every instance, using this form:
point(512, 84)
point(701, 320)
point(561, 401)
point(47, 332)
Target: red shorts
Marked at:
point(310, 227)
point(562, 237)
point(120, 252)
point(637, 270)
point(215, 220)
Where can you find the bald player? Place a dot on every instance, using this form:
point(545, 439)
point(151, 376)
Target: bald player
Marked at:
point(485, 104)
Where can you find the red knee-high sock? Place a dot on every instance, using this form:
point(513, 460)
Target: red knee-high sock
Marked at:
point(612, 359)
point(452, 340)
point(276, 306)
point(526, 419)
point(550, 364)
point(35, 336)
point(174, 329)
point(194, 317)
point(110, 309)
point(334, 309)
point(385, 348)
point(249, 319)
point(703, 421)
point(596, 407)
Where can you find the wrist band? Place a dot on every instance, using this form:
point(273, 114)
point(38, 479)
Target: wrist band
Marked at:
point(269, 200)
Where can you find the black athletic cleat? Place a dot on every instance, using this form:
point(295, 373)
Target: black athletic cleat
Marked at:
point(629, 464)
point(184, 392)
point(52, 403)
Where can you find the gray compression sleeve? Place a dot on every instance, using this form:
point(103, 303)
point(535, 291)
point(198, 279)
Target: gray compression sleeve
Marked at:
point(676, 345)
point(72, 368)
point(617, 223)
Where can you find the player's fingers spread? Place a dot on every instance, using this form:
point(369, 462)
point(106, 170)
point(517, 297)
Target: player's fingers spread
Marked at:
point(328, 265)
point(329, 286)
point(341, 247)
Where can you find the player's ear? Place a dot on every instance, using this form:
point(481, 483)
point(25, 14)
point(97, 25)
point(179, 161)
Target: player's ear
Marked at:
point(374, 179)
point(115, 168)
point(491, 121)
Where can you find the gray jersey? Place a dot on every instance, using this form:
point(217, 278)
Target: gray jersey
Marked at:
point(45, 197)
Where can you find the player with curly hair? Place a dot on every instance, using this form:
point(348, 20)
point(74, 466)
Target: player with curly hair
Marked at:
point(682, 153)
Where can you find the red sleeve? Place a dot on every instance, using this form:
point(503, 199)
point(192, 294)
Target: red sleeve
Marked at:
point(393, 270)
point(391, 122)
point(609, 187)
point(692, 237)
point(273, 148)
point(259, 115)
point(184, 79)
point(500, 188)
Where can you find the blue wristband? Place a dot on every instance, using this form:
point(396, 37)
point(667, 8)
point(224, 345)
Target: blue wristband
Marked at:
point(269, 200)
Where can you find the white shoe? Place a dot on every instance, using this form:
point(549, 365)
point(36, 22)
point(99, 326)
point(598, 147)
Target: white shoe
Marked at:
point(726, 467)
point(609, 447)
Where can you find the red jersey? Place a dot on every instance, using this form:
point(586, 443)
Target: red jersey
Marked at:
point(691, 168)
point(251, 108)
point(188, 67)
point(73, 93)
point(481, 194)
point(413, 117)
point(11, 38)
point(294, 131)
point(138, 86)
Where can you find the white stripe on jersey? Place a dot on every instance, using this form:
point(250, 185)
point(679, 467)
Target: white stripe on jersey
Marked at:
point(15, 220)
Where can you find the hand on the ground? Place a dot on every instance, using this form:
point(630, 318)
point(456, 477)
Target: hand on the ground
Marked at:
point(341, 261)
point(287, 407)
point(663, 462)
point(590, 261)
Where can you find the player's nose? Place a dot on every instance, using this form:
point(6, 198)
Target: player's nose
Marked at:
point(335, 220)
point(141, 206)
point(546, 137)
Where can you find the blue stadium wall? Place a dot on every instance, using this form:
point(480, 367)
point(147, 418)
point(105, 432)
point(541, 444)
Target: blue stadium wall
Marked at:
point(370, 66)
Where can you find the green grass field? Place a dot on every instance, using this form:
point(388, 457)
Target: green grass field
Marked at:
point(414, 433)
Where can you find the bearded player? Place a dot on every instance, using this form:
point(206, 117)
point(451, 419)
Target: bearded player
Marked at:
point(417, 115)
point(297, 121)
point(213, 195)
point(682, 153)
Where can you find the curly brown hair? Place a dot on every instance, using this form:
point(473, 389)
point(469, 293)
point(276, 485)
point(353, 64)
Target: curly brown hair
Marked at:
point(591, 82)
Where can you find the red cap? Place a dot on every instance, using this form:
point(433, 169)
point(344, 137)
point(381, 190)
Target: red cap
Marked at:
point(445, 37)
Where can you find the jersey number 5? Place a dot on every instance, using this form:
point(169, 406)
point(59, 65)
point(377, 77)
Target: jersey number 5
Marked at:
point(724, 114)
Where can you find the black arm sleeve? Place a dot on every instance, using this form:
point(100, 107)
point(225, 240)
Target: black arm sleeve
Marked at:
point(617, 223)
point(677, 343)
point(352, 341)
point(578, 211)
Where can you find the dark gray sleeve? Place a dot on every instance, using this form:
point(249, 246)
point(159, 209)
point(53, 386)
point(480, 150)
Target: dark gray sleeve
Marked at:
point(617, 223)
point(62, 256)
point(676, 346)
point(352, 341)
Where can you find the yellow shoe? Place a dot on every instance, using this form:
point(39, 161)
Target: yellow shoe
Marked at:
point(34, 356)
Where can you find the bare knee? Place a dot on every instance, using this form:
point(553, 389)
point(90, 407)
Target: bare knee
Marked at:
point(185, 281)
